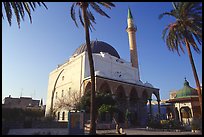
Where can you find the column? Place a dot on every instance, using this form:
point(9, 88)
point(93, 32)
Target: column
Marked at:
point(159, 106)
point(150, 106)
point(128, 103)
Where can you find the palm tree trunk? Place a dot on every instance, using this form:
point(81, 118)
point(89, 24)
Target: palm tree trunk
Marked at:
point(91, 64)
point(195, 75)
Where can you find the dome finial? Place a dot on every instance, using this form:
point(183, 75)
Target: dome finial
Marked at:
point(186, 82)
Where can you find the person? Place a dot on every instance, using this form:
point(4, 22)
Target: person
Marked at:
point(117, 127)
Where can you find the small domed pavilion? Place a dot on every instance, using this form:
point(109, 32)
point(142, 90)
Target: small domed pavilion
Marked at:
point(185, 104)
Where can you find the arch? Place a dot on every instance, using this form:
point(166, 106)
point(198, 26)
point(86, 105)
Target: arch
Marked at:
point(53, 92)
point(185, 115)
point(104, 93)
point(63, 115)
point(133, 104)
point(176, 113)
point(105, 88)
point(154, 96)
point(144, 96)
point(87, 88)
point(133, 96)
point(120, 96)
point(185, 112)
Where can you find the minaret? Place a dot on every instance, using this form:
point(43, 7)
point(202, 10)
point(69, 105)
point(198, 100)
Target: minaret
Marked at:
point(131, 29)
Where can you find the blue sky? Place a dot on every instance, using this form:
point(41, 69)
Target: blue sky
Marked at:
point(30, 53)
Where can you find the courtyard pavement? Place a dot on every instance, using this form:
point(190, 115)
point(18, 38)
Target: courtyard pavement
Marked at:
point(144, 131)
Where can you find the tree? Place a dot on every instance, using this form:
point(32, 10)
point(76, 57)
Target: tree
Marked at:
point(105, 103)
point(186, 30)
point(86, 20)
point(68, 101)
point(84, 103)
point(19, 9)
point(102, 99)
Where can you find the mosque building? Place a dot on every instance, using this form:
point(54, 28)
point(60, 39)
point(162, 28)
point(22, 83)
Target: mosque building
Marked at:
point(112, 74)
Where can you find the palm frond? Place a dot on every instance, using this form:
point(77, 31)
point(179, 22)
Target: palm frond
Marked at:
point(90, 16)
point(186, 28)
point(192, 42)
point(164, 32)
point(32, 5)
point(98, 9)
point(166, 13)
point(91, 26)
point(27, 8)
point(44, 5)
point(181, 47)
point(80, 17)
point(73, 14)
point(107, 4)
point(8, 11)
point(175, 5)
point(198, 39)
point(19, 9)
point(16, 11)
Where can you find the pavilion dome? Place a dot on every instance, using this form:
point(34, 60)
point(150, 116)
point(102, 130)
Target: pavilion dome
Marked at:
point(186, 91)
point(97, 47)
point(139, 82)
point(148, 84)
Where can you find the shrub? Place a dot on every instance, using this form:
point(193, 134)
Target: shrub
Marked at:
point(153, 122)
point(196, 124)
point(171, 124)
point(164, 124)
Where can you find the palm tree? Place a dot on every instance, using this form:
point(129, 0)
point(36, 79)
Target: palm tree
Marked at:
point(86, 20)
point(186, 30)
point(19, 9)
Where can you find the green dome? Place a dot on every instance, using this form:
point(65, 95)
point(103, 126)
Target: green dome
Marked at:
point(186, 91)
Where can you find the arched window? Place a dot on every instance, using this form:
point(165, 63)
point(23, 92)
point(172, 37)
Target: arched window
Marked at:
point(58, 116)
point(186, 112)
point(63, 115)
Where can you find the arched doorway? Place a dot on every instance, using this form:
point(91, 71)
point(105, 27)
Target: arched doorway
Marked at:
point(143, 109)
point(120, 98)
point(153, 106)
point(176, 113)
point(133, 107)
point(105, 98)
point(185, 115)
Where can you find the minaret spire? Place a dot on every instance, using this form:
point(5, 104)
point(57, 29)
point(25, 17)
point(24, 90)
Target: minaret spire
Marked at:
point(131, 30)
point(129, 14)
